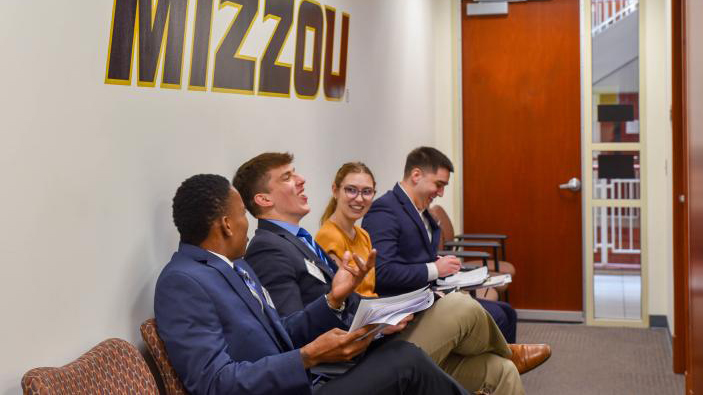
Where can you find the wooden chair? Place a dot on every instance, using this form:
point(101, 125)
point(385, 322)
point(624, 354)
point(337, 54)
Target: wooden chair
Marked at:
point(455, 244)
point(156, 348)
point(112, 367)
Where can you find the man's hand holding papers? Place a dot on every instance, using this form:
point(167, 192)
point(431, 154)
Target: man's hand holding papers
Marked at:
point(336, 345)
point(391, 329)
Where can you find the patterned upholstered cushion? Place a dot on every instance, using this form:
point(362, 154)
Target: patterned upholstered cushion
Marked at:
point(112, 367)
point(158, 352)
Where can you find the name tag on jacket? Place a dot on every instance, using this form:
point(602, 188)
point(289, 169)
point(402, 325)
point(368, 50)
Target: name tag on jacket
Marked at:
point(314, 270)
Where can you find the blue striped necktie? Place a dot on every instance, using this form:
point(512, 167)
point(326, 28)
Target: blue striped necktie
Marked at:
point(305, 235)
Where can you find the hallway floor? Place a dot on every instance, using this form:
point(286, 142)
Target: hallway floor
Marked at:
point(597, 360)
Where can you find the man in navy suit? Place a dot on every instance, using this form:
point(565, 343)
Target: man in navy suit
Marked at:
point(406, 236)
point(223, 335)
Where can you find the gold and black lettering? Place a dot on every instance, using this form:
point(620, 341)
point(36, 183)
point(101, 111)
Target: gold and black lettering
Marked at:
point(201, 45)
point(157, 23)
point(235, 73)
point(307, 81)
point(334, 82)
point(274, 76)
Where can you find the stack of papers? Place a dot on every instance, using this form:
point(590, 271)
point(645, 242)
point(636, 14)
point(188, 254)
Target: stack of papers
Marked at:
point(465, 279)
point(497, 280)
point(391, 310)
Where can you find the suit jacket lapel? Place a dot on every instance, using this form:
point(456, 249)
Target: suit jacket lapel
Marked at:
point(410, 209)
point(245, 294)
point(274, 318)
point(436, 232)
point(300, 245)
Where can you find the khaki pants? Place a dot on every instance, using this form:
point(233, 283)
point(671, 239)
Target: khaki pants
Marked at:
point(462, 338)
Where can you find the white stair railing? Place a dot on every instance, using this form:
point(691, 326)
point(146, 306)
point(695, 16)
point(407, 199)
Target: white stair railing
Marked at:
point(614, 231)
point(605, 13)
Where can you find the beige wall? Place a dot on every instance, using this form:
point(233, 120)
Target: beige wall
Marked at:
point(89, 169)
point(448, 120)
point(656, 69)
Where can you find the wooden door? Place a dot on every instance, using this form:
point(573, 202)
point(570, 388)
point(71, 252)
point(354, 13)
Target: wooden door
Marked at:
point(693, 120)
point(522, 131)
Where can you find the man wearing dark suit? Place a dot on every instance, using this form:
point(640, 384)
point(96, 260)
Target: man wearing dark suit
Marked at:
point(223, 336)
point(456, 332)
point(304, 276)
point(406, 236)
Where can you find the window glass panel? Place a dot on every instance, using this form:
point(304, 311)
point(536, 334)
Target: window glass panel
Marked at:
point(615, 45)
point(616, 174)
point(617, 259)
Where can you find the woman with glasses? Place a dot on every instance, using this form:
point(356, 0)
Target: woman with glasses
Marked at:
point(456, 332)
point(352, 193)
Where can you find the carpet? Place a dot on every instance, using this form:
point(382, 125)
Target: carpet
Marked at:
point(598, 360)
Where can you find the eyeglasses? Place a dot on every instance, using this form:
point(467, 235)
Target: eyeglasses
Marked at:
point(352, 192)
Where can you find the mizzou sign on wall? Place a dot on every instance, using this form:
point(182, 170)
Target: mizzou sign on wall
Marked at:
point(155, 30)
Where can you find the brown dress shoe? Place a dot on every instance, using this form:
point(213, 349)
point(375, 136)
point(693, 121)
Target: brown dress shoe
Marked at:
point(528, 356)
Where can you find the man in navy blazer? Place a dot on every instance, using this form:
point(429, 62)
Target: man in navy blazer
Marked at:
point(223, 335)
point(407, 237)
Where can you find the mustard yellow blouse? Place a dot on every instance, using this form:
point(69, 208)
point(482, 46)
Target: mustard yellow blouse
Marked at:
point(334, 241)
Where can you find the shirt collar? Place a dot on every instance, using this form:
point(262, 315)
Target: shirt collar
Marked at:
point(224, 258)
point(411, 199)
point(293, 229)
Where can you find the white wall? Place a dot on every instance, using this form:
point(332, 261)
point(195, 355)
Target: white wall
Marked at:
point(656, 58)
point(89, 169)
point(448, 116)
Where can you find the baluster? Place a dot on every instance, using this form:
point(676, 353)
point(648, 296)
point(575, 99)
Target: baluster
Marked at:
point(603, 234)
point(620, 211)
point(612, 229)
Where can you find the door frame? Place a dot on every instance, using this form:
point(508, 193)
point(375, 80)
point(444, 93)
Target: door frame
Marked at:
point(587, 146)
point(680, 187)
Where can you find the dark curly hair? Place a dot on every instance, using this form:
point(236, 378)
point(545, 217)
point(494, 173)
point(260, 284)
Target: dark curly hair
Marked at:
point(199, 201)
point(426, 159)
point(252, 177)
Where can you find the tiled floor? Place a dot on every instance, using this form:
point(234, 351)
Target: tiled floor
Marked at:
point(617, 296)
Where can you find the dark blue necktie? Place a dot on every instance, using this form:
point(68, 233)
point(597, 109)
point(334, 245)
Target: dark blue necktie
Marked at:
point(305, 235)
point(250, 284)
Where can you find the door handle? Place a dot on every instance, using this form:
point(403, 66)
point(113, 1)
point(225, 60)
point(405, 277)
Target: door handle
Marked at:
point(574, 185)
